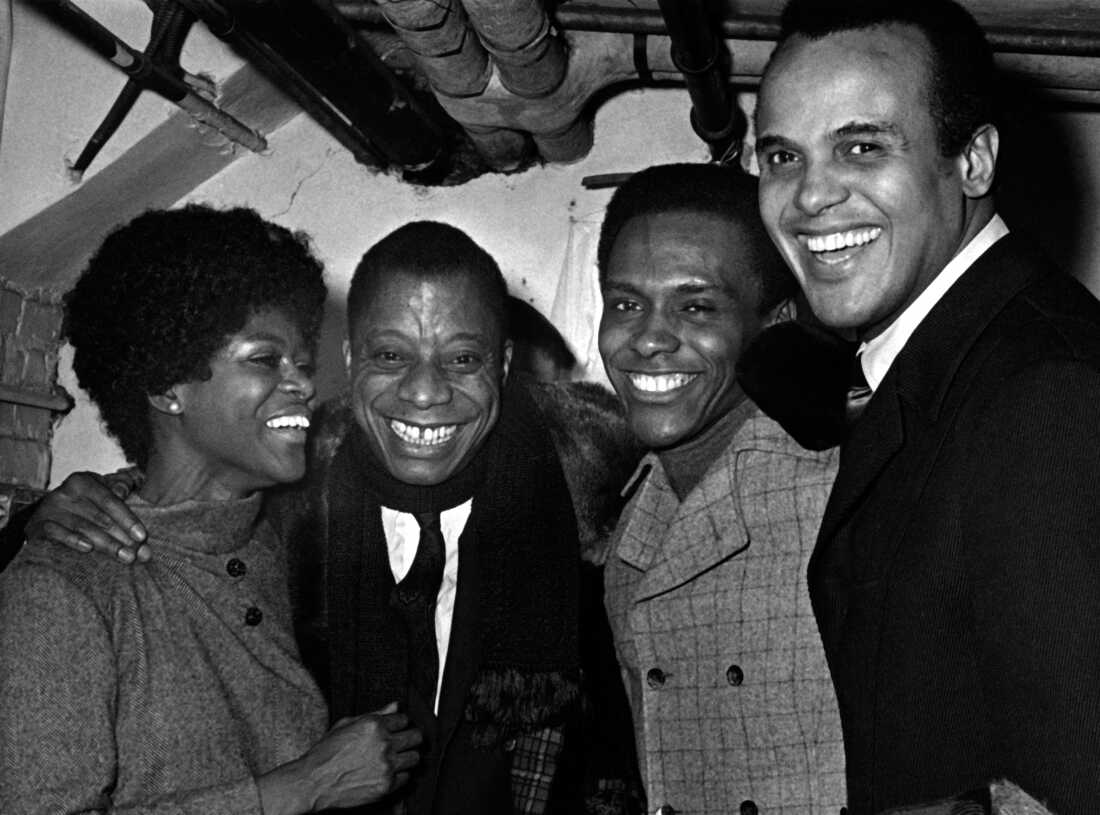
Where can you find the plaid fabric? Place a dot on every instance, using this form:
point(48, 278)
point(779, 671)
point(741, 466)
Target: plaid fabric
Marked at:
point(726, 675)
point(534, 762)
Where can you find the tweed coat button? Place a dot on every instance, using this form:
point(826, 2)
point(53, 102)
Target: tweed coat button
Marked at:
point(253, 616)
point(655, 677)
point(749, 808)
point(665, 810)
point(734, 675)
point(236, 568)
point(509, 745)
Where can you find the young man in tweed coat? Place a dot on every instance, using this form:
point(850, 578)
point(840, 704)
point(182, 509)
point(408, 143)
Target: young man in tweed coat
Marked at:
point(732, 702)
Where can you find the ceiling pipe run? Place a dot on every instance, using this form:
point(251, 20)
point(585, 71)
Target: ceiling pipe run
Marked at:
point(697, 51)
point(608, 47)
point(448, 50)
point(529, 57)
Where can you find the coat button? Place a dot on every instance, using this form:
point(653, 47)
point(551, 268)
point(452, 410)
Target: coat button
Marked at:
point(236, 567)
point(655, 677)
point(253, 616)
point(735, 676)
point(665, 810)
point(749, 808)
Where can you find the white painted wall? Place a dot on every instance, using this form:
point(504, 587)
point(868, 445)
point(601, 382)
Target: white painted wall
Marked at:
point(309, 182)
point(57, 96)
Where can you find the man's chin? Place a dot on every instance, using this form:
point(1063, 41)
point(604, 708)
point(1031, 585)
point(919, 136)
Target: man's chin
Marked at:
point(422, 472)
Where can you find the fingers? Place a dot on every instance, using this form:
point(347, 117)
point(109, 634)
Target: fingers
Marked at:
point(103, 498)
point(406, 739)
point(406, 760)
point(393, 722)
point(84, 514)
point(56, 525)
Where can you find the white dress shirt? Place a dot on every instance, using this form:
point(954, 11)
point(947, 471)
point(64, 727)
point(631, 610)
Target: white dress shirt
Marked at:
point(877, 355)
point(402, 539)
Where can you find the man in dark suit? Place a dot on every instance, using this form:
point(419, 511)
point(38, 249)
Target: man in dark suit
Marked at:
point(956, 578)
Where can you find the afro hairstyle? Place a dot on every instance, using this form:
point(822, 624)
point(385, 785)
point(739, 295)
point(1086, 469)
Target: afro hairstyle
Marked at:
point(163, 294)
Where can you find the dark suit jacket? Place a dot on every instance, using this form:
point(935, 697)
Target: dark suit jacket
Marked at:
point(956, 579)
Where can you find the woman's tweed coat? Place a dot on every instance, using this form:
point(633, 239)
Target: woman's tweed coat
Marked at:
point(160, 687)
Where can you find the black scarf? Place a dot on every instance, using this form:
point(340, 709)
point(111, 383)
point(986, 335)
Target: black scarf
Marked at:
point(523, 534)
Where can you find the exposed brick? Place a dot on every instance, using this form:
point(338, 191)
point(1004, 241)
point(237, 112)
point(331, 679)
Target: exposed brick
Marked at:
point(12, 373)
point(11, 304)
point(35, 375)
point(33, 423)
point(41, 324)
point(9, 424)
point(24, 462)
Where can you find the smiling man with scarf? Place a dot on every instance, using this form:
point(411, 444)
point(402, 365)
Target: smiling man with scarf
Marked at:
point(431, 429)
point(433, 542)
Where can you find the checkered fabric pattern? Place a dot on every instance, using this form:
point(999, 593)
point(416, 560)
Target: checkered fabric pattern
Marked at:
point(719, 649)
point(534, 761)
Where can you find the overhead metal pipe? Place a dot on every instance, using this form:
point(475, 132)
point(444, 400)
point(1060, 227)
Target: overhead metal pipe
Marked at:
point(171, 23)
point(314, 54)
point(448, 50)
point(149, 75)
point(580, 17)
point(529, 57)
point(697, 51)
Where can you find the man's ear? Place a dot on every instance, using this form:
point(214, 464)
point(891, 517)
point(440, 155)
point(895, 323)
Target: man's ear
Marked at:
point(978, 161)
point(506, 361)
point(167, 402)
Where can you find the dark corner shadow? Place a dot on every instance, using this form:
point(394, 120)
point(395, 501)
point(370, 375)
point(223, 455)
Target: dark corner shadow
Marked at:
point(1043, 173)
point(331, 378)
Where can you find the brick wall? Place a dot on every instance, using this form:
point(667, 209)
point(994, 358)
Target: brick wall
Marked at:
point(30, 399)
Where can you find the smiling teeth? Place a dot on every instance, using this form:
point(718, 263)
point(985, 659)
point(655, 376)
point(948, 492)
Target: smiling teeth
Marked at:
point(842, 240)
point(297, 422)
point(424, 436)
point(661, 383)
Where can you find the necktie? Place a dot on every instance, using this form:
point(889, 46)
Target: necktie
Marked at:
point(414, 598)
point(859, 393)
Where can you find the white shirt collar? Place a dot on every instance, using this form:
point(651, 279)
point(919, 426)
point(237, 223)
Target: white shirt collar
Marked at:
point(878, 354)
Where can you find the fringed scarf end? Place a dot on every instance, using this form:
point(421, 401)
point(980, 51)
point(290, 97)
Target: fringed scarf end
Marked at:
point(504, 702)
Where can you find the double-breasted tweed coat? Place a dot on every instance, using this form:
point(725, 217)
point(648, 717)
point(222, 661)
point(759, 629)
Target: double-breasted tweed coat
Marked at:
point(721, 658)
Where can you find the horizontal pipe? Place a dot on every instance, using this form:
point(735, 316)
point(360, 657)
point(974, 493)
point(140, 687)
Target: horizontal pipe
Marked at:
point(145, 72)
point(35, 399)
point(579, 17)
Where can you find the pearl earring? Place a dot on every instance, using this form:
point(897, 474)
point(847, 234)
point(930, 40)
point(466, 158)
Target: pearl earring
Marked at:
point(173, 407)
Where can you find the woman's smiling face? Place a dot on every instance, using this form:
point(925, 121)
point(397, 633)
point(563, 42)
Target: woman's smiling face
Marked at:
point(244, 428)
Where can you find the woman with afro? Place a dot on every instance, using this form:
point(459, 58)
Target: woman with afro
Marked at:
point(174, 685)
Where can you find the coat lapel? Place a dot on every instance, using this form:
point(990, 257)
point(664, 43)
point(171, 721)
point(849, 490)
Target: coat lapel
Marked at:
point(915, 388)
point(875, 441)
point(674, 542)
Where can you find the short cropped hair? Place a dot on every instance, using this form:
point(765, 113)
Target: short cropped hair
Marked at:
point(163, 294)
point(433, 250)
point(712, 189)
point(962, 78)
